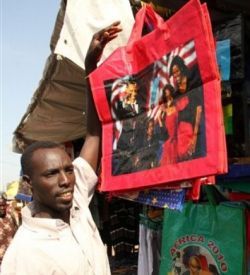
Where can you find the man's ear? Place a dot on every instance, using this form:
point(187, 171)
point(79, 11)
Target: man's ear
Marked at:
point(26, 185)
point(26, 180)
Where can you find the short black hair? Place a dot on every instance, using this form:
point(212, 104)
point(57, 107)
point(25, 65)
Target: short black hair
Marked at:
point(131, 82)
point(26, 163)
point(177, 60)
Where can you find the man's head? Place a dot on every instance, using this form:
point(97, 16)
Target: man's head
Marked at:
point(49, 170)
point(3, 206)
point(132, 90)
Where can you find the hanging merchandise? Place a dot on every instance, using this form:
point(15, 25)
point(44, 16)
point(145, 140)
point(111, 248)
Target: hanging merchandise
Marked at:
point(231, 32)
point(164, 198)
point(248, 238)
point(171, 196)
point(223, 58)
point(83, 18)
point(159, 102)
point(228, 118)
point(237, 178)
point(150, 236)
point(205, 238)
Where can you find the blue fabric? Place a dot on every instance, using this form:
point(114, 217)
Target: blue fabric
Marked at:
point(173, 199)
point(23, 197)
point(236, 171)
point(223, 58)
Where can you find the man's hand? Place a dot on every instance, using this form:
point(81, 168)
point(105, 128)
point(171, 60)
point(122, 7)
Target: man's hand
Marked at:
point(98, 43)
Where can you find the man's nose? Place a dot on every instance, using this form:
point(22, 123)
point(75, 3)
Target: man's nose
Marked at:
point(64, 179)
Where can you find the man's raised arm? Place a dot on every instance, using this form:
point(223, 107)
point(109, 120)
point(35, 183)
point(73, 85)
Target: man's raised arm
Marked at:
point(91, 150)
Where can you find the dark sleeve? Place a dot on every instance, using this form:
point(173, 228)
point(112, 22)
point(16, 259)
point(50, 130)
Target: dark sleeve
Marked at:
point(161, 133)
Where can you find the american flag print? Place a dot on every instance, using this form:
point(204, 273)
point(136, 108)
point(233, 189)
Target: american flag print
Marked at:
point(160, 75)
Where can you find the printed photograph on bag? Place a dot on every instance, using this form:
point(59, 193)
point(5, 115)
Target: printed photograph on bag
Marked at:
point(195, 259)
point(199, 239)
point(158, 114)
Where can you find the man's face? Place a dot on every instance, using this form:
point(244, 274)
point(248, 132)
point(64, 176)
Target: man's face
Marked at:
point(3, 208)
point(132, 91)
point(53, 179)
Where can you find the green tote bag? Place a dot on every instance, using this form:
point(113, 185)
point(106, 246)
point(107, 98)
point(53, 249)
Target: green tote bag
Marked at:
point(204, 239)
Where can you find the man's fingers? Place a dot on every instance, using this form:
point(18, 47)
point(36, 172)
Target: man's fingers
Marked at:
point(113, 28)
point(109, 35)
point(108, 32)
point(114, 25)
point(100, 39)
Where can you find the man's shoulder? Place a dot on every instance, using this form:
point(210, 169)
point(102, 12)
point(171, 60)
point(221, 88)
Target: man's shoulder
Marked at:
point(16, 246)
point(83, 165)
point(86, 179)
point(21, 234)
point(79, 161)
point(23, 242)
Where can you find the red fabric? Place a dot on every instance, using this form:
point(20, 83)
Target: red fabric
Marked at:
point(185, 135)
point(203, 261)
point(130, 160)
point(169, 154)
point(237, 196)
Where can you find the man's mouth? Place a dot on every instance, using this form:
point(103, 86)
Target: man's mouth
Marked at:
point(66, 195)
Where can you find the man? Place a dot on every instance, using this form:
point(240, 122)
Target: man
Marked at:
point(58, 234)
point(130, 116)
point(8, 225)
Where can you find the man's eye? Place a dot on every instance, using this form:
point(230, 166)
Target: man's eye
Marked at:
point(70, 170)
point(51, 174)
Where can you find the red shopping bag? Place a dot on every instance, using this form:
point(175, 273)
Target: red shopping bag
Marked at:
point(158, 99)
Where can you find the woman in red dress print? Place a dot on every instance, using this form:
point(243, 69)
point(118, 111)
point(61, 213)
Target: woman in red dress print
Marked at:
point(189, 97)
point(170, 115)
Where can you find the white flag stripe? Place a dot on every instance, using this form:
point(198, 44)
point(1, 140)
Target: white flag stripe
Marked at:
point(188, 47)
point(189, 59)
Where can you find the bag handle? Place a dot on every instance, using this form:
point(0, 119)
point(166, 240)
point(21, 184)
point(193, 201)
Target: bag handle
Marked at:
point(214, 196)
point(146, 15)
